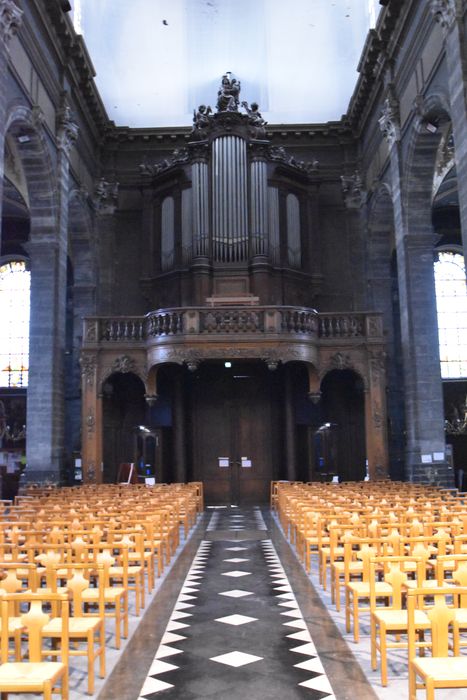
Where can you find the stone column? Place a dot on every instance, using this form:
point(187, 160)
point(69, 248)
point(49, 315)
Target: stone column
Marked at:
point(10, 22)
point(450, 15)
point(178, 407)
point(425, 445)
point(290, 431)
point(48, 251)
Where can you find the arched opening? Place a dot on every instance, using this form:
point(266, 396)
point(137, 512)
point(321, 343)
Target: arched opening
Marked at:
point(124, 411)
point(343, 426)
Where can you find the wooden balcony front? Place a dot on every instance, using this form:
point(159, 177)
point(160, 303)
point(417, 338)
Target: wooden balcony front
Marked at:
point(272, 333)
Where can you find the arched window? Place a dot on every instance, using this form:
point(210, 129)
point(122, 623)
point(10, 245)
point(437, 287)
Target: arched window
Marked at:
point(14, 320)
point(451, 303)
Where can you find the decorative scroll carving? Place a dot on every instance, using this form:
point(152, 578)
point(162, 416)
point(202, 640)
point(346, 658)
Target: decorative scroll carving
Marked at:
point(180, 156)
point(90, 423)
point(10, 20)
point(106, 196)
point(67, 129)
point(444, 12)
point(352, 189)
point(88, 365)
point(124, 364)
point(91, 473)
point(279, 154)
point(340, 361)
point(389, 122)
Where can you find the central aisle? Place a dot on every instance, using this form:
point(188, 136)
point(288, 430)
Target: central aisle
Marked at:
point(236, 629)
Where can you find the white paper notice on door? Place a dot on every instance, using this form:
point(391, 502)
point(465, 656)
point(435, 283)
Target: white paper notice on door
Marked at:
point(246, 462)
point(224, 462)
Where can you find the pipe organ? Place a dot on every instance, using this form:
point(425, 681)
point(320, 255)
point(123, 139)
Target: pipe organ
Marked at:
point(237, 202)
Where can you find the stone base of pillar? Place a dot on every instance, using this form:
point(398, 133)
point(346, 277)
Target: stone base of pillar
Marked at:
point(437, 474)
point(39, 476)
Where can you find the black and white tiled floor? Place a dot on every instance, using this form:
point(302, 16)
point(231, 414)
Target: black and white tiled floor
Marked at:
point(236, 627)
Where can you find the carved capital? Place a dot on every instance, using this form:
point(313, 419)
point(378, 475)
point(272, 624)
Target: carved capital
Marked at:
point(444, 12)
point(88, 369)
point(67, 129)
point(389, 121)
point(352, 190)
point(106, 196)
point(10, 20)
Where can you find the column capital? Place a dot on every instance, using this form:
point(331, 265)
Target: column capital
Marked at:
point(105, 196)
point(389, 121)
point(445, 12)
point(67, 129)
point(352, 190)
point(10, 20)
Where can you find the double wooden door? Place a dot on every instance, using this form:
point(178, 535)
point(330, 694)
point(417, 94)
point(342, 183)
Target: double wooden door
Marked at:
point(235, 432)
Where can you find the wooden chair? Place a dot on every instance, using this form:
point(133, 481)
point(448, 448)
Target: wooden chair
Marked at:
point(115, 597)
point(391, 619)
point(34, 675)
point(84, 627)
point(441, 670)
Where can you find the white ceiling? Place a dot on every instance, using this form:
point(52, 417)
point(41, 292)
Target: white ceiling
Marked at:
point(156, 60)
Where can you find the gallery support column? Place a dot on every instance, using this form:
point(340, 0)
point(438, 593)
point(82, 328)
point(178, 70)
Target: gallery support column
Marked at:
point(425, 444)
point(46, 390)
point(290, 432)
point(179, 428)
point(10, 22)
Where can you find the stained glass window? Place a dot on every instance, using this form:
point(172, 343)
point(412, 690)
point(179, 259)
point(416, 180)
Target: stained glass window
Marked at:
point(14, 319)
point(451, 303)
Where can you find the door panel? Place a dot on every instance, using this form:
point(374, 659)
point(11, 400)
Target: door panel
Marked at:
point(232, 417)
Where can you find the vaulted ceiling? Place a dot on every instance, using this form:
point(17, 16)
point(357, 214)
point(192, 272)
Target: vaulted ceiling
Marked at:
point(156, 60)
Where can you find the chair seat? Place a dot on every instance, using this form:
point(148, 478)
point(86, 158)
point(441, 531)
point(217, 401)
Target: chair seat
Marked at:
point(30, 675)
point(110, 593)
point(397, 619)
point(362, 588)
point(77, 626)
point(441, 668)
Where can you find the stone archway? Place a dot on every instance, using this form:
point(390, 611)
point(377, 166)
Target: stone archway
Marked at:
point(425, 451)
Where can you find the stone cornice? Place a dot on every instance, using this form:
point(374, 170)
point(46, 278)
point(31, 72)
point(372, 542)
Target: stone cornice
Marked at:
point(74, 56)
point(10, 20)
point(375, 52)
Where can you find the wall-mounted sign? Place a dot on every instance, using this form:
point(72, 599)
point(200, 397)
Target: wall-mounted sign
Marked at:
point(246, 463)
point(224, 462)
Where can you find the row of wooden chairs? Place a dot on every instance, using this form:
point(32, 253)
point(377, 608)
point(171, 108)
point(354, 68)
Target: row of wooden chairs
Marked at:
point(69, 560)
point(387, 545)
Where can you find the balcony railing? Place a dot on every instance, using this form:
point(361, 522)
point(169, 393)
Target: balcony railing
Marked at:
point(285, 321)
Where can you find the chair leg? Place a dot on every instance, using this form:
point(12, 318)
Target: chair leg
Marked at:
point(102, 649)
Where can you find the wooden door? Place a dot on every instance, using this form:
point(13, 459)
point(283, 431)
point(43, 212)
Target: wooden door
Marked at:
point(235, 431)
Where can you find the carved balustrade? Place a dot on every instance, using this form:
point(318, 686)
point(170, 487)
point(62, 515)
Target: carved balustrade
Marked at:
point(233, 320)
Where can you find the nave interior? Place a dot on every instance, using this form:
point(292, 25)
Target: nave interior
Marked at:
point(239, 600)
